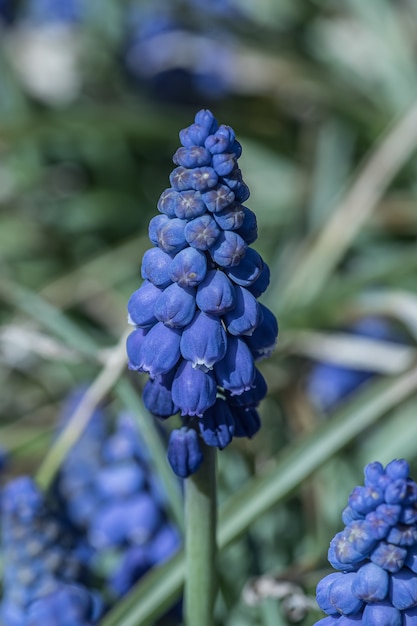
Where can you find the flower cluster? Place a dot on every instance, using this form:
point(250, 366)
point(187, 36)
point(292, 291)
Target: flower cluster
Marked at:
point(109, 495)
point(199, 326)
point(328, 384)
point(376, 553)
point(42, 573)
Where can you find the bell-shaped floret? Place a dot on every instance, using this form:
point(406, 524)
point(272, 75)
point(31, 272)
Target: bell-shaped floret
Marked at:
point(156, 266)
point(396, 491)
point(217, 425)
point(389, 557)
point(360, 535)
point(181, 178)
point(196, 134)
point(204, 341)
point(371, 583)
point(215, 294)
point(373, 473)
point(157, 396)
point(141, 305)
point(194, 156)
point(154, 229)
point(253, 396)
point(248, 270)
point(403, 591)
point(365, 499)
point(263, 340)
point(342, 555)
point(323, 593)
point(231, 218)
point(193, 391)
point(221, 141)
point(189, 267)
point(399, 468)
point(184, 452)
point(189, 204)
point(381, 614)
point(235, 182)
point(168, 201)
point(202, 232)
point(236, 372)
point(160, 350)
point(341, 596)
point(175, 306)
point(224, 163)
point(171, 236)
point(133, 345)
point(246, 314)
point(229, 249)
point(218, 198)
point(249, 228)
point(247, 421)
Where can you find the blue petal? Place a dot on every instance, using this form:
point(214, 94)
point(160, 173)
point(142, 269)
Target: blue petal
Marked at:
point(231, 218)
point(189, 267)
point(133, 345)
point(181, 178)
point(389, 557)
point(247, 421)
point(204, 341)
point(248, 270)
point(195, 156)
point(403, 591)
point(141, 305)
point(258, 287)
point(171, 236)
point(323, 593)
point(342, 555)
point(203, 179)
point(184, 452)
point(175, 306)
point(215, 294)
point(246, 314)
point(398, 469)
point(229, 249)
point(360, 535)
point(202, 232)
point(371, 583)
point(220, 141)
point(236, 372)
point(160, 350)
point(224, 163)
point(381, 614)
point(249, 228)
point(157, 396)
point(189, 204)
point(217, 425)
point(206, 119)
point(168, 201)
point(218, 198)
point(373, 473)
point(193, 390)
point(156, 266)
point(253, 396)
point(154, 228)
point(263, 340)
point(341, 596)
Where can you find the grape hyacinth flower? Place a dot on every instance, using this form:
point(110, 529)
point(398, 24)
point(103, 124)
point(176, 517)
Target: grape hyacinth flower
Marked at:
point(328, 383)
point(376, 553)
point(43, 576)
point(110, 496)
point(198, 325)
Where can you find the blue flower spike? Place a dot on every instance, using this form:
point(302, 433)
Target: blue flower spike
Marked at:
point(198, 325)
point(376, 553)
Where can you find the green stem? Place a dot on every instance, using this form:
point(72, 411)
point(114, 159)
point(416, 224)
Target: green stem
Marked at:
point(200, 547)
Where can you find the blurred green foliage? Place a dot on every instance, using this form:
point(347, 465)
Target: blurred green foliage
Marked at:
point(318, 89)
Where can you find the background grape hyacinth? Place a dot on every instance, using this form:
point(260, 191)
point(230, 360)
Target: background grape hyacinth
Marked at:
point(376, 553)
point(199, 326)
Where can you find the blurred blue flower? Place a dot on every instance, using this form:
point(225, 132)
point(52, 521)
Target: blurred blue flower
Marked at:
point(328, 384)
point(113, 501)
point(198, 325)
point(42, 572)
point(183, 54)
point(377, 581)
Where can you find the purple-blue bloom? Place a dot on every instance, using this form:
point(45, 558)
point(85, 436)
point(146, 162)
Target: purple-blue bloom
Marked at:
point(376, 583)
point(203, 327)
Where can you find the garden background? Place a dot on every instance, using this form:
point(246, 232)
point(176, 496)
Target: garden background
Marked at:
point(322, 96)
